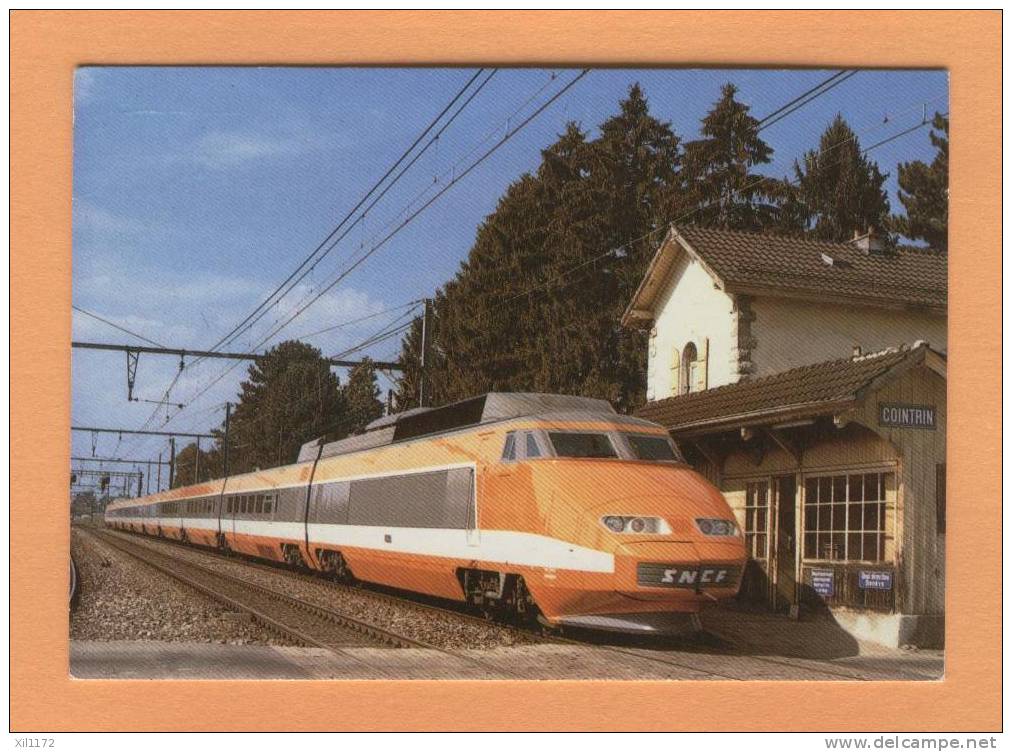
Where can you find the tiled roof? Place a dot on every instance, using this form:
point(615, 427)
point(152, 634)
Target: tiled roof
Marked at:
point(910, 275)
point(797, 267)
point(807, 389)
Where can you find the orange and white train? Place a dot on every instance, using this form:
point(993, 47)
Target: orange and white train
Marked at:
point(543, 506)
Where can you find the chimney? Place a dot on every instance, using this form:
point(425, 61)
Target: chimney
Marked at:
point(870, 242)
point(857, 352)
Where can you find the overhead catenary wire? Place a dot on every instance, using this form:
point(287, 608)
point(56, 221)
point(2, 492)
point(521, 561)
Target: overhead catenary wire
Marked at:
point(117, 326)
point(334, 242)
point(343, 324)
point(801, 101)
point(273, 299)
point(505, 139)
point(351, 213)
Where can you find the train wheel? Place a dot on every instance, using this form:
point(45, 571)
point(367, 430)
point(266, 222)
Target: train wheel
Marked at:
point(292, 555)
point(500, 597)
point(334, 564)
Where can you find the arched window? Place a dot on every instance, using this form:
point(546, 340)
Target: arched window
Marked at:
point(689, 370)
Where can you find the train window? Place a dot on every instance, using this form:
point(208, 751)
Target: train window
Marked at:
point(532, 446)
point(509, 450)
point(651, 447)
point(268, 504)
point(591, 445)
point(260, 503)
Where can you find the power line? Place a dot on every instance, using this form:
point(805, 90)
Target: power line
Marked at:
point(333, 243)
point(343, 324)
point(451, 170)
point(247, 323)
point(795, 104)
point(351, 212)
point(116, 326)
point(509, 135)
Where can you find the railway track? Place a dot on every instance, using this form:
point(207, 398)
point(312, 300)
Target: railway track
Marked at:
point(678, 656)
point(298, 619)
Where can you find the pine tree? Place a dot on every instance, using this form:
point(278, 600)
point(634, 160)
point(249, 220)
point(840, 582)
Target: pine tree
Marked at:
point(841, 191)
point(289, 397)
point(924, 193)
point(537, 303)
point(361, 397)
point(722, 188)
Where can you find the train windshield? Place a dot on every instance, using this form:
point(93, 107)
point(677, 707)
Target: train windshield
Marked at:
point(656, 448)
point(582, 445)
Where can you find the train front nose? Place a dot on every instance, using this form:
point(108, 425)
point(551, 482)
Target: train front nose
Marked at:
point(684, 572)
point(658, 587)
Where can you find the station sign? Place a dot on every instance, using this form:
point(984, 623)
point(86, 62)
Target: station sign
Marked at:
point(823, 582)
point(871, 580)
point(900, 415)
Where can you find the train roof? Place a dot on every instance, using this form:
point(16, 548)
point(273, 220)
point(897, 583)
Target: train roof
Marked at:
point(486, 408)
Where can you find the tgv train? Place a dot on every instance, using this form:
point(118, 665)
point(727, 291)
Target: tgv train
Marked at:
point(534, 505)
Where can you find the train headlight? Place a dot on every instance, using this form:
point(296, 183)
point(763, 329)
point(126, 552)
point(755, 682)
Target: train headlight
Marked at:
point(716, 527)
point(615, 524)
point(635, 524)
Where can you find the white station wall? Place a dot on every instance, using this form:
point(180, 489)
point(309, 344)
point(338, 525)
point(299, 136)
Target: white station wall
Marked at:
point(692, 309)
point(792, 333)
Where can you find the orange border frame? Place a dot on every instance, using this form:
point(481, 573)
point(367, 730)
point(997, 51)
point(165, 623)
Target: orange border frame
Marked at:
point(45, 48)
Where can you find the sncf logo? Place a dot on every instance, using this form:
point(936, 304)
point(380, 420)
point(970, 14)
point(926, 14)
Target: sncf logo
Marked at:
point(708, 576)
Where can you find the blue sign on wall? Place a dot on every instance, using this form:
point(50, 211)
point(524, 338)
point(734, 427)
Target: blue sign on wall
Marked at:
point(875, 580)
point(822, 582)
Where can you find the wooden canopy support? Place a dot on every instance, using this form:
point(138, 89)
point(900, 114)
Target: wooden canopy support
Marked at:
point(712, 454)
point(784, 442)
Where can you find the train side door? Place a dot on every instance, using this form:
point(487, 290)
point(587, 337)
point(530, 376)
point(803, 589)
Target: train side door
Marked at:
point(473, 532)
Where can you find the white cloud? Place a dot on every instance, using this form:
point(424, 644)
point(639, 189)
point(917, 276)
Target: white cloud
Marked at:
point(89, 217)
point(227, 149)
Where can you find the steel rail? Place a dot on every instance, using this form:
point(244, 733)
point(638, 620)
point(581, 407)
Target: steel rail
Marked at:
point(372, 631)
point(170, 565)
point(526, 633)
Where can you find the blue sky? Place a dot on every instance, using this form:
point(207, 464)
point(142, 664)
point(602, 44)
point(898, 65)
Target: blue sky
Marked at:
point(198, 190)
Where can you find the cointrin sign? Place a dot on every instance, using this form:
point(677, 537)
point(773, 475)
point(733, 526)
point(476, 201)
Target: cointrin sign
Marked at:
point(898, 415)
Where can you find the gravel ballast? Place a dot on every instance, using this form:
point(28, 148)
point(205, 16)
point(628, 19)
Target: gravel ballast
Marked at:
point(123, 599)
point(443, 630)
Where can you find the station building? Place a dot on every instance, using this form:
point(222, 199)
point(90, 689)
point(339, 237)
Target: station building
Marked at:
point(807, 379)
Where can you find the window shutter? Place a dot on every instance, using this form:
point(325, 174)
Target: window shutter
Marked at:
point(701, 366)
point(676, 372)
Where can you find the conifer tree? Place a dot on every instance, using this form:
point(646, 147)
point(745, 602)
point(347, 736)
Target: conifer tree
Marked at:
point(289, 397)
point(924, 192)
point(840, 190)
point(361, 397)
point(536, 305)
point(723, 189)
